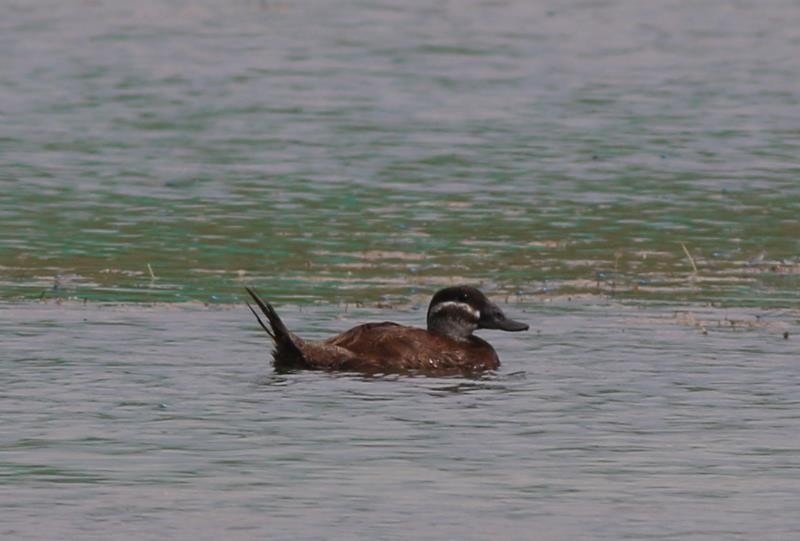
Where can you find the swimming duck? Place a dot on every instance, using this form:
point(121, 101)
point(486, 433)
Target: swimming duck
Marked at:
point(446, 346)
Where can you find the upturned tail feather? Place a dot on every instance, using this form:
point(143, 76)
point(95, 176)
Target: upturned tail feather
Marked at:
point(287, 353)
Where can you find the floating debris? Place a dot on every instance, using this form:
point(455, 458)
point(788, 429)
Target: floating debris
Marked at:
point(691, 259)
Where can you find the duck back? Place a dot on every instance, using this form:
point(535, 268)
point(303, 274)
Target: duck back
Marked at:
point(389, 347)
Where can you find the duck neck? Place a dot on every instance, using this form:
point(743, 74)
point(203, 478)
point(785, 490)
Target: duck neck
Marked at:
point(455, 328)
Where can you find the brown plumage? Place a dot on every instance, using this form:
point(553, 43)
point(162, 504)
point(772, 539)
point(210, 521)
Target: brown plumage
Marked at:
point(447, 346)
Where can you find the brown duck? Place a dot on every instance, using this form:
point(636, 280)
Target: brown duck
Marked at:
point(446, 346)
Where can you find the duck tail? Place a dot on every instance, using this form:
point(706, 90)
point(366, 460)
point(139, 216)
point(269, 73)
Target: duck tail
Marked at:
point(288, 352)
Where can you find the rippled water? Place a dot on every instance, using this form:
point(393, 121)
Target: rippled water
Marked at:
point(353, 150)
point(621, 174)
point(604, 422)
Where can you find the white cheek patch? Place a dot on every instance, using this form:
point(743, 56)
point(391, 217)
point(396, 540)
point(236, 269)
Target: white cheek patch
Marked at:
point(461, 306)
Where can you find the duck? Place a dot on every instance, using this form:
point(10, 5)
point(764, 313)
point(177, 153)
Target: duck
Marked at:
point(446, 346)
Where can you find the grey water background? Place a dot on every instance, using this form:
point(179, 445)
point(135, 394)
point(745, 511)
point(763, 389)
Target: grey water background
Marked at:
point(622, 175)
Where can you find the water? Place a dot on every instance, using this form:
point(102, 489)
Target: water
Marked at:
point(350, 150)
point(605, 422)
point(622, 175)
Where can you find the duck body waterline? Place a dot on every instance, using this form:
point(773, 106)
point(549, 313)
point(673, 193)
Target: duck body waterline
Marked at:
point(446, 346)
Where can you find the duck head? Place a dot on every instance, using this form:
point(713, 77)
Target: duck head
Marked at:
point(458, 311)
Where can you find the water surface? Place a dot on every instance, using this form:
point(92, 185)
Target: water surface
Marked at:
point(604, 422)
point(353, 151)
point(622, 175)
